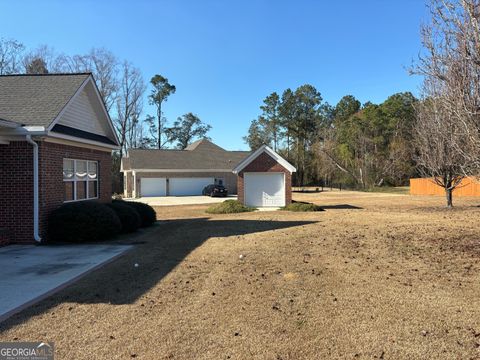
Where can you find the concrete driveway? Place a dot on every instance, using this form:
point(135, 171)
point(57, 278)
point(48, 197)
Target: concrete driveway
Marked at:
point(182, 200)
point(31, 273)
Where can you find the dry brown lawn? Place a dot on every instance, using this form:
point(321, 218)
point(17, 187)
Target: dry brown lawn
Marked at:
point(375, 276)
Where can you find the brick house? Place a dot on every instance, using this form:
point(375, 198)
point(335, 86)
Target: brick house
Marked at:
point(264, 179)
point(56, 140)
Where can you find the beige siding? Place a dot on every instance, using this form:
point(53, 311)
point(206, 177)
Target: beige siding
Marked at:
point(83, 114)
point(230, 179)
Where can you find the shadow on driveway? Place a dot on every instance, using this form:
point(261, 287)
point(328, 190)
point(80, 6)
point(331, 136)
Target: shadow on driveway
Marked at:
point(157, 252)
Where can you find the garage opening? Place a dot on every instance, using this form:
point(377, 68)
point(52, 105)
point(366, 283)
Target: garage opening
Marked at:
point(188, 186)
point(153, 186)
point(264, 189)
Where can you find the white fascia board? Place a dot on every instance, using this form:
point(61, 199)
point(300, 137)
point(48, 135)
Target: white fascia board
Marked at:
point(260, 150)
point(9, 124)
point(102, 104)
point(82, 141)
point(180, 170)
point(34, 129)
point(23, 130)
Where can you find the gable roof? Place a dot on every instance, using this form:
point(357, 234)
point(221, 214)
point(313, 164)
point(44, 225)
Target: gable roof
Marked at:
point(264, 149)
point(36, 100)
point(204, 144)
point(41, 102)
point(200, 155)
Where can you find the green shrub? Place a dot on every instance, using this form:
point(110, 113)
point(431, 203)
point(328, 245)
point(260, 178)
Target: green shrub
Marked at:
point(148, 216)
point(229, 207)
point(302, 206)
point(83, 222)
point(129, 217)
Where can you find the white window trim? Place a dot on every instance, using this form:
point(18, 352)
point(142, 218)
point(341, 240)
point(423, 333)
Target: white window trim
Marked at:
point(74, 180)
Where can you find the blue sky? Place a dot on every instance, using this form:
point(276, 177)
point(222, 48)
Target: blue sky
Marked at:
point(225, 57)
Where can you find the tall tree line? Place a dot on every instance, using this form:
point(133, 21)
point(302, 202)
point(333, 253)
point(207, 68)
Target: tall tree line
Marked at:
point(358, 145)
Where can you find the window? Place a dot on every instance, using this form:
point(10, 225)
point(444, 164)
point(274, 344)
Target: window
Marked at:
point(219, 181)
point(80, 180)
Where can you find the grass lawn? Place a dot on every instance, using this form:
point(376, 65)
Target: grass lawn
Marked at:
point(376, 275)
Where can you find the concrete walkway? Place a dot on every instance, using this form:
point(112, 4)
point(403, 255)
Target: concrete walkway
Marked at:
point(31, 273)
point(182, 200)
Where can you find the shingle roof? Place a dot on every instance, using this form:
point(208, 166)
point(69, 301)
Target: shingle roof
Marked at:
point(204, 145)
point(36, 100)
point(204, 155)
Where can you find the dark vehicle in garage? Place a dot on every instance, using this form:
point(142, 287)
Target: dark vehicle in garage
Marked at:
point(215, 190)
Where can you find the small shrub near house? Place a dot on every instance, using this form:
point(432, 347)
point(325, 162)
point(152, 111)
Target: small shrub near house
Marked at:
point(229, 207)
point(148, 216)
point(129, 217)
point(83, 222)
point(302, 206)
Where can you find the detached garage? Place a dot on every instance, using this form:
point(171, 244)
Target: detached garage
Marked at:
point(168, 172)
point(264, 179)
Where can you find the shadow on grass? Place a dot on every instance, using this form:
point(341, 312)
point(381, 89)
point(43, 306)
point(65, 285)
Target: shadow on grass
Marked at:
point(156, 252)
point(340, 207)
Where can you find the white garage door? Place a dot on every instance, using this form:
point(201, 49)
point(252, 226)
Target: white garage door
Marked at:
point(153, 186)
point(188, 186)
point(264, 189)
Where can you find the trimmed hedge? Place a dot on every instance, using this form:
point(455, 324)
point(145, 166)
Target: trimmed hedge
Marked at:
point(148, 216)
point(300, 206)
point(83, 222)
point(229, 207)
point(129, 217)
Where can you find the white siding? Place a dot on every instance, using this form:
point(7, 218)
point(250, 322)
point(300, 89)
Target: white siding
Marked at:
point(83, 114)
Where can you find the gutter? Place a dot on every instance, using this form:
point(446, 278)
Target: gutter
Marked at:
point(36, 235)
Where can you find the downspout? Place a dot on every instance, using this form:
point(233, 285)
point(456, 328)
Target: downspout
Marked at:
point(36, 235)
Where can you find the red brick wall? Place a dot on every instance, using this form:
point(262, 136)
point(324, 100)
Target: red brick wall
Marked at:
point(16, 190)
point(51, 188)
point(16, 184)
point(265, 163)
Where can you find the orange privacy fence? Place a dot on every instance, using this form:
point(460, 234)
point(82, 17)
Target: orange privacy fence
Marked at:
point(468, 187)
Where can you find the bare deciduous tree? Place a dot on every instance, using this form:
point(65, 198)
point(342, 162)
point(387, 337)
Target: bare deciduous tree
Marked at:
point(129, 105)
point(448, 120)
point(11, 52)
point(43, 59)
point(440, 139)
point(104, 67)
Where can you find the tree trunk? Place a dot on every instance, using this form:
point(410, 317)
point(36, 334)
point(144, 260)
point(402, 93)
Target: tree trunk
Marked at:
point(160, 130)
point(449, 195)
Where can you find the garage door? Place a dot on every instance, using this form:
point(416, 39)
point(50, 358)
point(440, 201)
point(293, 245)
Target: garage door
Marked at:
point(153, 186)
point(264, 189)
point(188, 186)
